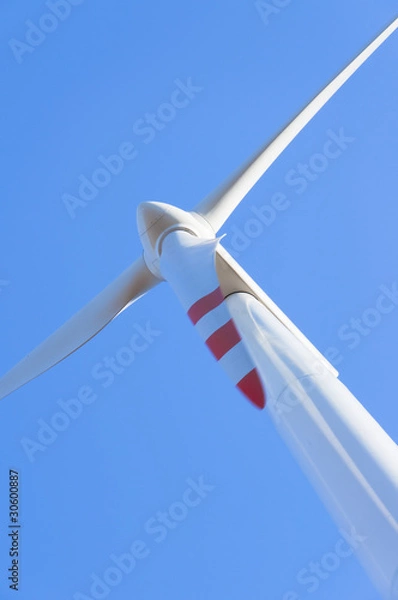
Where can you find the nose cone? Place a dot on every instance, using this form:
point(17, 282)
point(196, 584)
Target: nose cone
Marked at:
point(149, 213)
point(156, 219)
point(153, 220)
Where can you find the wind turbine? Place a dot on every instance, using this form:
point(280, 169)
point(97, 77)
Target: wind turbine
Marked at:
point(348, 457)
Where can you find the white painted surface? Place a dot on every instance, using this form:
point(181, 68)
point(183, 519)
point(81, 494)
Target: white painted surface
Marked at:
point(350, 460)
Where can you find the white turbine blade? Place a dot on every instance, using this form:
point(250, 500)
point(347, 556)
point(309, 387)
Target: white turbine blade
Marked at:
point(217, 207)
point(84, 325)
point(234, 279)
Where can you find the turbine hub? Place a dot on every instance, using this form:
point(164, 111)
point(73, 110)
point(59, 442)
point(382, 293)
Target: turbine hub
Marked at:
point(155, 220)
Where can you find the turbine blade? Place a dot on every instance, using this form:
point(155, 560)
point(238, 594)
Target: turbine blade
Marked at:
point(217, 207)
point(234, 279)
point(134, 282)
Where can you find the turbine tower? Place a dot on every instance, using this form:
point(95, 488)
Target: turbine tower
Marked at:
point(347, 456)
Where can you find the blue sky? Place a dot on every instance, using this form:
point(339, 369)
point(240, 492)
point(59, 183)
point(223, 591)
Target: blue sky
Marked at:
point(171, 420)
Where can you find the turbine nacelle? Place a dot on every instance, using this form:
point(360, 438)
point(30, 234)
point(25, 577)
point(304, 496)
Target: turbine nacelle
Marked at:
point(155, 220)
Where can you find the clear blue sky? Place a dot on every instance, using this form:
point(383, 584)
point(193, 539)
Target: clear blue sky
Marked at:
point(172, 416)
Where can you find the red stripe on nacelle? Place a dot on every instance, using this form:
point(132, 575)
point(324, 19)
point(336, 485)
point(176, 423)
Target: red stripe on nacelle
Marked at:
point(205, 305)
point(222, 340)
point(252, 388)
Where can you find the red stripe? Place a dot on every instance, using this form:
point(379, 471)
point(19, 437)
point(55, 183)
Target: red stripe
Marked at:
point(205, 305)
point(222, 340)
point(252, 388)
